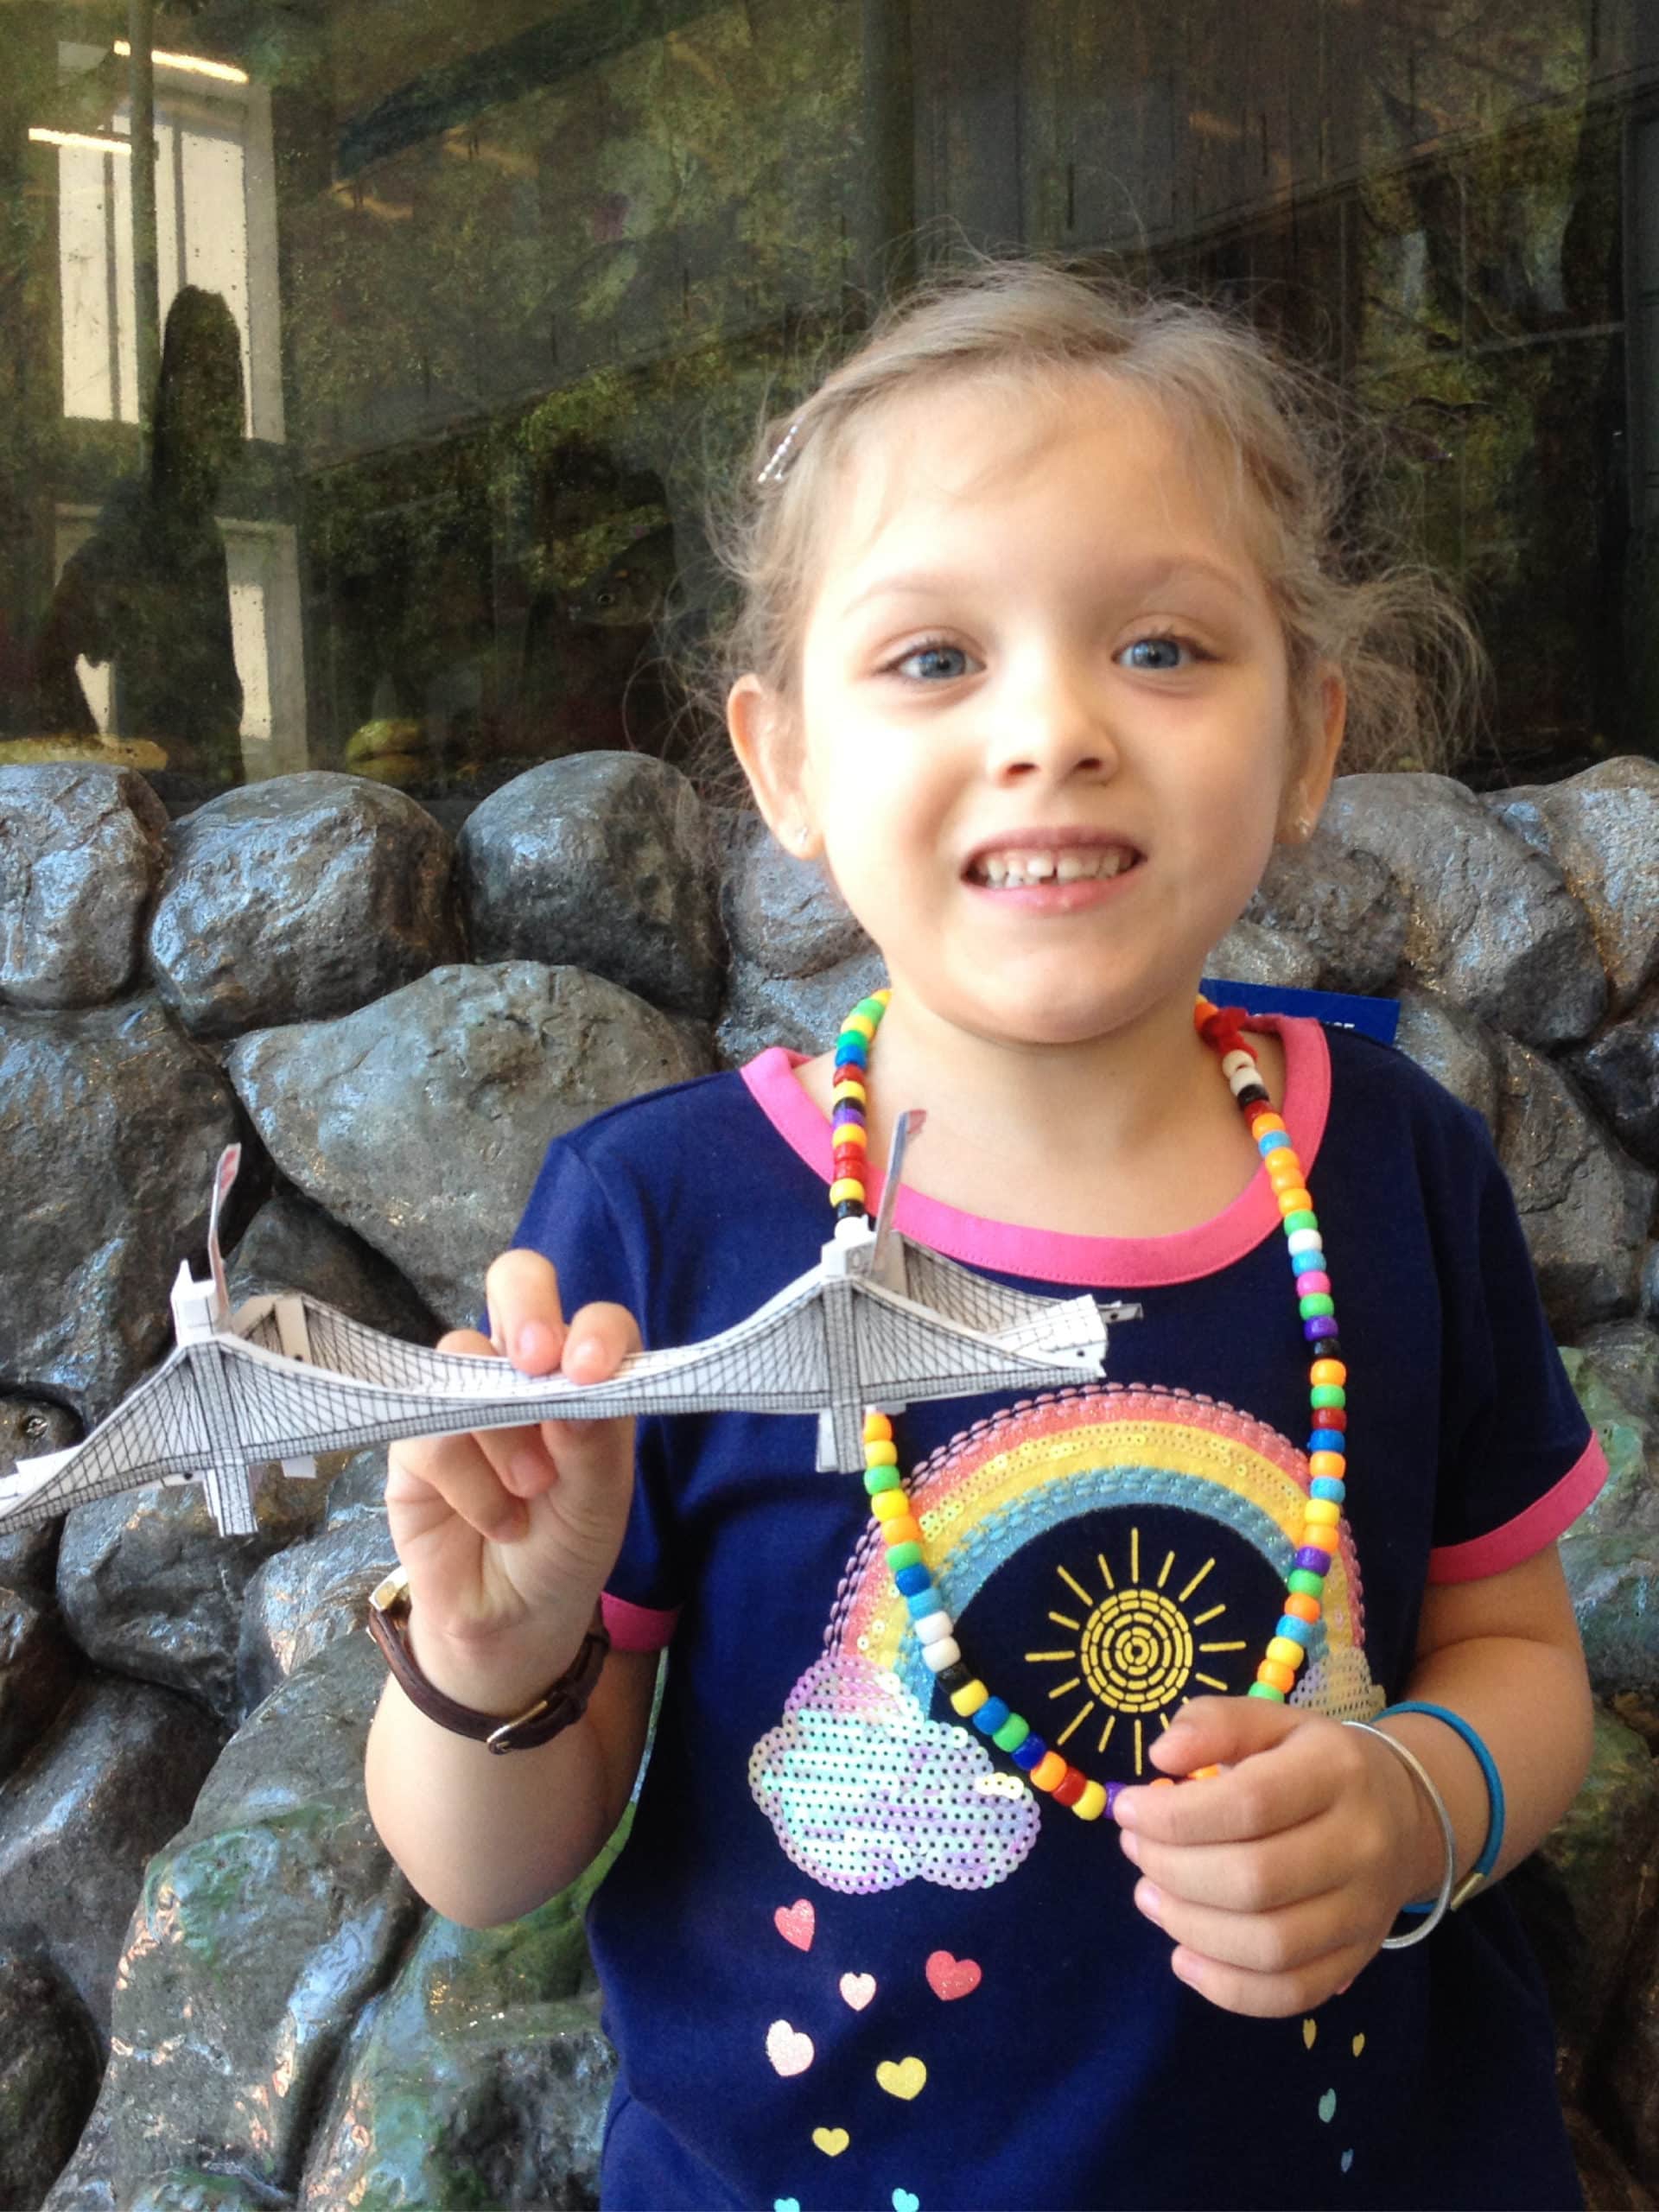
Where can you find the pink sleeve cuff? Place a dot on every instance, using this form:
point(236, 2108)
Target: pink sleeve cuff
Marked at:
point(636, 1628)
point(1518, 1540)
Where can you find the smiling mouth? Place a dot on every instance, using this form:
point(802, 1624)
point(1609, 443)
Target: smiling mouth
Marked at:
point(1017, 870)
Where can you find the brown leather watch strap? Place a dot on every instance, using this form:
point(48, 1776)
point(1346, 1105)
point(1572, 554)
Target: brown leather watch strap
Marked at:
point(561, 1702)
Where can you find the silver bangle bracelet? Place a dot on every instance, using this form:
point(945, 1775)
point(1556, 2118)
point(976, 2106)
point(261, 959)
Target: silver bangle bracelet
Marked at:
point(1425, 1782)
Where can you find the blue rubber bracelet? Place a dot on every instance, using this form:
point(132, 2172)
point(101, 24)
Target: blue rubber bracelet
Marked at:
point(1494, 1843)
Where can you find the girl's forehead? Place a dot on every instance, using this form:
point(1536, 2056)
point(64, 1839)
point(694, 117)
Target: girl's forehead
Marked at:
point(952, 447)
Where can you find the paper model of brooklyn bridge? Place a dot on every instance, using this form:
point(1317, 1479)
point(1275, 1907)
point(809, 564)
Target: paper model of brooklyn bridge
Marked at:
point(879, 1321)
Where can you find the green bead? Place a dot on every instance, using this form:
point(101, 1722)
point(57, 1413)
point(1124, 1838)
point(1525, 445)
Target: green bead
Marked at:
point(903, 1555)
point(1012, 1733)
point(877, 1479)
point(1266, 1690)
point(1328, 1394)
point(872, 1008)
point(1317, 1302)
point(1301, 1219)
point(1302, 1579)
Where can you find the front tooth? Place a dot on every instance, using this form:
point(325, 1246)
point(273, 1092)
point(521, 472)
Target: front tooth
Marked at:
point(996, 871)
point(1039, 866)
point(1073, 865)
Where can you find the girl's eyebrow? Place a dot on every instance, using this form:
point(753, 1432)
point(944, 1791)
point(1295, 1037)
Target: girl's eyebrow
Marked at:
point(1154, 575)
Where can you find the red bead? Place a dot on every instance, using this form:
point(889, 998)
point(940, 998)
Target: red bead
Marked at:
point(1332, 1417)
point(1069, 1787)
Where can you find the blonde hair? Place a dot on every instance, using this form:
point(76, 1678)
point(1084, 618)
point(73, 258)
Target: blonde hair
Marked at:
point(1307, 465)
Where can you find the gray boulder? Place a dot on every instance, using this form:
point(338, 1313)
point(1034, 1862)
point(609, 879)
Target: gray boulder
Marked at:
point(1459, 1052)
point(1620, 1071)
point(49, 2066)
point(83, 850)
point(784, 916)
point(1252, 952)
point(1343, 903)
point(300, 897)
point(292, 1245)
point(262, 1929)
point(82, 1817)
point(1601, 828)
point(39, 1669)
point(483, 2077)
point(801, 1012)
point(149, 1588)
point(601, 861)
point(1611, 1554)
point(1583, 1205)
point(1492, 925)
point(109, 1124)
point(313, 1592)
point(434, 1173)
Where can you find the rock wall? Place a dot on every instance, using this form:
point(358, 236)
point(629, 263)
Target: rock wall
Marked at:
point(214, 1988)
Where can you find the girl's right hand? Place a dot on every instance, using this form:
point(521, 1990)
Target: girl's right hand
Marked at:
point(507, 1536)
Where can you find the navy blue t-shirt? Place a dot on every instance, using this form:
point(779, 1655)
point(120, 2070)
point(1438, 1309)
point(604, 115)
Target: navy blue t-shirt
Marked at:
point(850, 1956)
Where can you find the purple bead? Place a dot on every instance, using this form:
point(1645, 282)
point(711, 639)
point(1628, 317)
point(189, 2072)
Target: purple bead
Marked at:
point(1312, 1560)
point(1112, 1790)
point(848, 1110)
point(1322, 1325)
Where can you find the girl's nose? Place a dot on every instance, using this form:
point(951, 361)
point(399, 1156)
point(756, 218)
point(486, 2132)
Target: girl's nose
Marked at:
point(1056, 729)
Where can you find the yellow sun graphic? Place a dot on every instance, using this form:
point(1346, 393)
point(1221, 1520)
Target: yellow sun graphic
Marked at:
point(1137, 1648)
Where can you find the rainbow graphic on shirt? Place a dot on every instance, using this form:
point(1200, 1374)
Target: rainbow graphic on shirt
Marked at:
point(865, 1791)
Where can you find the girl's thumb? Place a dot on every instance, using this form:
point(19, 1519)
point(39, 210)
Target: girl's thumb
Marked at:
point(1220, 1732)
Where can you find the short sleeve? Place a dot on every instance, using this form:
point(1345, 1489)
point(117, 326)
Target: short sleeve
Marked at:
point(601, 1249)
point(1519, 1460)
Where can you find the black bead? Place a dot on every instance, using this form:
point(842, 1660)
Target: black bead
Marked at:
point(1253, 1094)
point(1327, 1348)
point(850, 1209)
point(951, 1679)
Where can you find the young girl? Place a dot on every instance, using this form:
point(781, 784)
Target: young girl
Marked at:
point(1046, 643)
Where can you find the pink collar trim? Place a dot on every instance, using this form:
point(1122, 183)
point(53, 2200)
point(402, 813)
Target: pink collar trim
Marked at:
point(1056, 1255)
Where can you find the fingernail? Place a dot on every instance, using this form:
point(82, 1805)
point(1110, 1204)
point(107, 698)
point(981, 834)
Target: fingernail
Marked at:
point(1130, 1845)
point(1345, 1986)
point(535, 1346)
point(1150, 1900)
point(1123, 1810)
point(584, 1351)
point(1181, 1967)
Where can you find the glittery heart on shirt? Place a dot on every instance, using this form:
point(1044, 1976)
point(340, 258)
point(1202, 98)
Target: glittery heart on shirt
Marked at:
point(857, 1989)
point(790, 2049)
point(797, 1924)
point(902, 2077)
point(949, 1977)
point(832, 2141)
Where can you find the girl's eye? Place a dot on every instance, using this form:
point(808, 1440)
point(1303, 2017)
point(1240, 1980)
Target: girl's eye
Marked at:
point(933, 663)
point(1157, 655)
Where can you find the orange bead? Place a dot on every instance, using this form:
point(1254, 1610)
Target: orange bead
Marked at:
point(1048, 1771)
point(904, 1529)
point(1265, 1124)
point(1328, 1371)
point(1295, 1201)
point(1301, 1607)
point(1316, 1533)
point(1162, 1782)
point(1333, 1463)
point(1275, 1676)
point(1204, 1774)
point(878, 1429)
point(1283, 1167)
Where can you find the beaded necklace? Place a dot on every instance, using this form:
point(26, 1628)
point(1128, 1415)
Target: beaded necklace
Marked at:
point(900, 1525)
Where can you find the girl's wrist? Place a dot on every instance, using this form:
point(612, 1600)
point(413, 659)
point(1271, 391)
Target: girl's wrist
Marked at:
point(503, 1673)
point(1423, 1856)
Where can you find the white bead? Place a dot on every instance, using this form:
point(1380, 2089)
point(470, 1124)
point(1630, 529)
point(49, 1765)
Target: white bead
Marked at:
point(932, 1626)
point(937, 1657)
point(849, 1229)
point(1234, 1064)
point(1305, 1239)
point(1237, 1083)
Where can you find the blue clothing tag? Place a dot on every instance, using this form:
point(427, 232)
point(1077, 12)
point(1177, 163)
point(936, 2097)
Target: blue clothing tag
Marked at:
point(1377, 1018)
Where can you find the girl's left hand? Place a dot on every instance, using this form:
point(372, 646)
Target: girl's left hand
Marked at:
point(1279, 1879)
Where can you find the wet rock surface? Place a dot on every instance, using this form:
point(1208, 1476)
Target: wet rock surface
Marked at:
point(1458, 1051)
point(1251, 954)
point(1611, 1554)
point(1492, 923)
point(1341, 901)
point(292, 1245)
point(113, 1780)
point(220, 2046)
point(784, 916)
point(1620, 1075)
point(802, 1013)
point(1601, 828)
point(110, 1123)
point(49, 2066)
point(300, 897)
point(314, 1592)
point(421, 1122)
point(601, 861)
point(149, 1588)
point(83, 850)
point(39, 1669)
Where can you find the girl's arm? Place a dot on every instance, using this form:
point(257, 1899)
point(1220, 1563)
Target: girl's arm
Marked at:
point(1278, 1879)
point(484, 1836)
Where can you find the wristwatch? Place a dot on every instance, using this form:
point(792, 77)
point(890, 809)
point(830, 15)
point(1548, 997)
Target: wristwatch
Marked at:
point(561, 1702)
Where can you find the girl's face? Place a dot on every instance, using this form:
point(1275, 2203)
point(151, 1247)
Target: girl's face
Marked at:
point(1046, 731)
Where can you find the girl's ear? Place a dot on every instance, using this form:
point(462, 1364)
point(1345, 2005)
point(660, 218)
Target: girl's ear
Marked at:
point(1307, 791)
point(766, 749)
